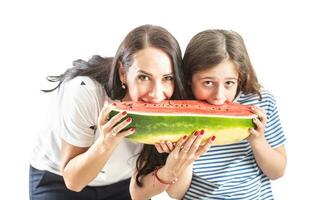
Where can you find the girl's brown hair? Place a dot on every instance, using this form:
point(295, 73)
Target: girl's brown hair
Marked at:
point(210, 48)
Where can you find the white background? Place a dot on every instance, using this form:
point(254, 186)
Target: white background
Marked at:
point(286, 43)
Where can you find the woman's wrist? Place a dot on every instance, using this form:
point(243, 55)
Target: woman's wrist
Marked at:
point(165, 176)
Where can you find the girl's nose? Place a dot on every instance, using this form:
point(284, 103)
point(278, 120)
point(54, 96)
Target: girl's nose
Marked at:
point(219, 96)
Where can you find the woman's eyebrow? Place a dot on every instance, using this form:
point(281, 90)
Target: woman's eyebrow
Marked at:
point(143, 72)
point(170, 74)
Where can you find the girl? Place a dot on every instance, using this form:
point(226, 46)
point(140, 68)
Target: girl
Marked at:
point(82, 154)
point(219, 70)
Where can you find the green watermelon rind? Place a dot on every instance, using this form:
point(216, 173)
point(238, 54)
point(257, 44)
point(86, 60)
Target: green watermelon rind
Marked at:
point(153, 129)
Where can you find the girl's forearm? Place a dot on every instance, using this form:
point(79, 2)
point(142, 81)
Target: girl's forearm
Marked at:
point(271, 161)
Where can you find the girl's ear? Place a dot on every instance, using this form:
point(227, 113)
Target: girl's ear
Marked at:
point(122, 73)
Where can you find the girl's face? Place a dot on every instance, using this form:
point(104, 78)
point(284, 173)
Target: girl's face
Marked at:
point(217, 84)
point(150, 78)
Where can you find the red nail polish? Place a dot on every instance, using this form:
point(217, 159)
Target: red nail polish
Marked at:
point(132, 129)
point(114, 104)
point(124, 112)
point(184, 137)
point(202, 132)
point(213, 138)
point(196, 133)
point(129, 119)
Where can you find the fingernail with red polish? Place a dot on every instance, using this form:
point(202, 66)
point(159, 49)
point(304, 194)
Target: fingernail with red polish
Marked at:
point(132, 129)
point(114, 104)
point(202, 132)
point(213, 138)
point(184, 137)
point(129, 119)
point(124, 112)
point(196, 133)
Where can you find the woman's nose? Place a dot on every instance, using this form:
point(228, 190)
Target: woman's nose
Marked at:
point(156, 93)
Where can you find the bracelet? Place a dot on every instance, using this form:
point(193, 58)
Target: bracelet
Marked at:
point(160, 180)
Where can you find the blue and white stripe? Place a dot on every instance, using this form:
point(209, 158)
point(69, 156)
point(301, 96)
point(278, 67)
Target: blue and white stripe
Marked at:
point(230, 171)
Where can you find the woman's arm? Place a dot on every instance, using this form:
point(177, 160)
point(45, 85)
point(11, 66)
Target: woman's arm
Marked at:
point(272, 161)
point(79, 166)
point(178, 166)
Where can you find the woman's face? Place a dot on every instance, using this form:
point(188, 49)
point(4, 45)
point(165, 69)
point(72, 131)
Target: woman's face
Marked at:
point(150, 78)
point(217, 84)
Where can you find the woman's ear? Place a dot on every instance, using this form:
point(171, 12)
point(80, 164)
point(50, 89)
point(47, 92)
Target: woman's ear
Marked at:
point(122, 73)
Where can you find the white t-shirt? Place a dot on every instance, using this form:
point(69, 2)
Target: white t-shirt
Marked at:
point(74, 116)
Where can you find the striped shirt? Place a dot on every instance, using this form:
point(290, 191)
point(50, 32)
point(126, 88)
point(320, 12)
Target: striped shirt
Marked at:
point(230, 171)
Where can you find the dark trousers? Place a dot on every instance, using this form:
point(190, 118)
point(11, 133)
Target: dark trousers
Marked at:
point(44, 185)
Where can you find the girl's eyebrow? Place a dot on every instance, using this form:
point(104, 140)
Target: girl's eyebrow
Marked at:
point(231, 78)
point(227, 78)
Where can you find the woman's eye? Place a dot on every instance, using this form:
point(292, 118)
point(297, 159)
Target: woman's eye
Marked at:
point(143, 78)
point(169, 78)
point(208, 83)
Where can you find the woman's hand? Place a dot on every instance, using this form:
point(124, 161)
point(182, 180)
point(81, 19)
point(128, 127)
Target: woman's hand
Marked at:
point(185, 151)
point(258, 133)
point(111, 129)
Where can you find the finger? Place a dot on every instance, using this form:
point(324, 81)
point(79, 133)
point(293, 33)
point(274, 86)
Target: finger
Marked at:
point(204, 148)
point(107, 108)
point(180, 143)
point(164, 147)
point(197, 142)
point(253, 132)
point(261, 114)
point(188, 143)
point(115, 130)
point(259, 125)
point(170, 145)
point(114, 120)
point(125, 133)
point(158, 148)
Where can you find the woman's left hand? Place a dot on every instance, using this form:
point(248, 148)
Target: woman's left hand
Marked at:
point(258, 133)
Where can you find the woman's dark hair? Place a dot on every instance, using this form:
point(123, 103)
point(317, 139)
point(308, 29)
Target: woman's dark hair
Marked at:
point(212, 47)
point(105, 71)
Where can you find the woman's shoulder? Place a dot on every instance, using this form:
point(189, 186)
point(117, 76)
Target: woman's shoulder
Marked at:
point(83, 82)
point(83, 87)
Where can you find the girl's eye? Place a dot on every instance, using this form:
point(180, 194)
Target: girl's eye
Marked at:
point(143, 77)
point(168, 78)
point(208, 83)
point(229, 83)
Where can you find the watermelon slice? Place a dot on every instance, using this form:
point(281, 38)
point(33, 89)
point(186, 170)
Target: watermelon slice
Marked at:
point(172, 119)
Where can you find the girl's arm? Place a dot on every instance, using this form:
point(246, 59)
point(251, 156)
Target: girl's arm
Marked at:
point(79, 166)
point(178, 167)
point(272, 161)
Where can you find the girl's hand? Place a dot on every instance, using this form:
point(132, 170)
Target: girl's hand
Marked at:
point(186, 150)
point(258, 133)
point(111, 129)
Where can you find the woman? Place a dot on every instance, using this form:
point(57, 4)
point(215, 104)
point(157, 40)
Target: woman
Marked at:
point(82, 154)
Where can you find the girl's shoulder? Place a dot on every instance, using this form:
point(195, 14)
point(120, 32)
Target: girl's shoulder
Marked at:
point(265, 97)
